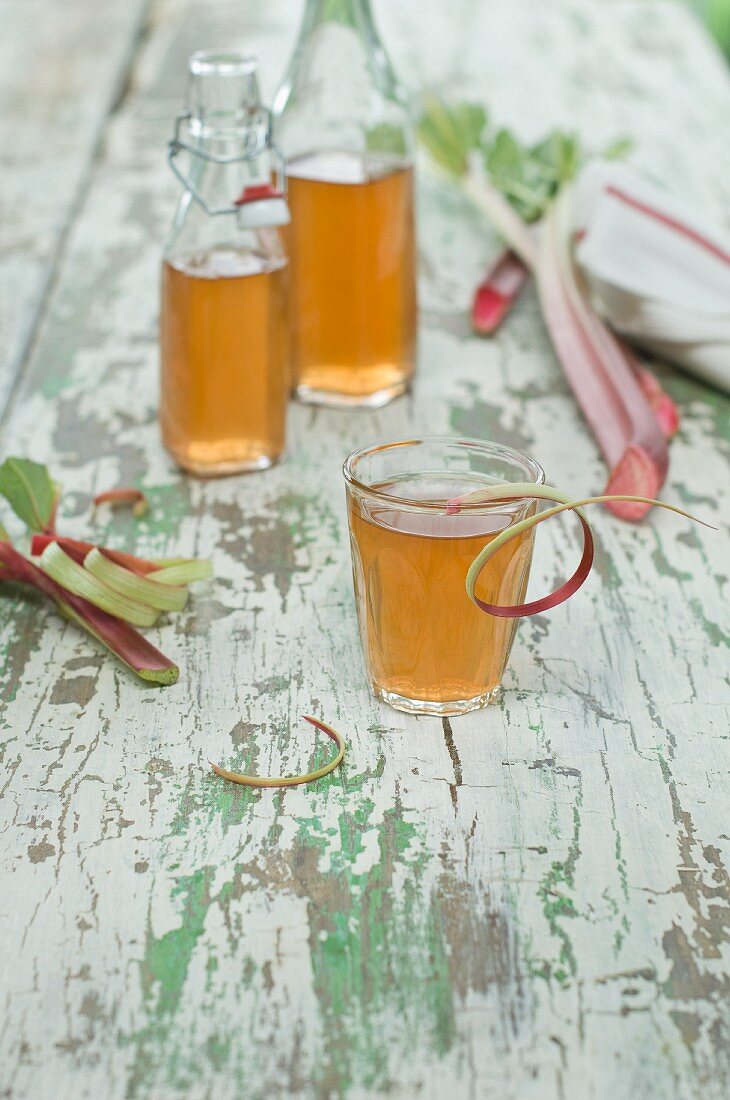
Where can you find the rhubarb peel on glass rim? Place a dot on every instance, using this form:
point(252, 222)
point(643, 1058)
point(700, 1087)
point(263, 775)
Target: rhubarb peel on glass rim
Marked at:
point(560, 502)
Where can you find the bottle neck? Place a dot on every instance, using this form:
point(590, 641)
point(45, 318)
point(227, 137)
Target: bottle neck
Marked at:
point(340, 91)
point(353, 13)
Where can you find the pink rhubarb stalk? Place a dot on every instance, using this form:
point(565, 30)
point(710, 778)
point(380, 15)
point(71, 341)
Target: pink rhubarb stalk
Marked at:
point(663, 407)
point(601, 375)
point(119, 637)
point(498, 292)
point(78, 550)
point(598, 366)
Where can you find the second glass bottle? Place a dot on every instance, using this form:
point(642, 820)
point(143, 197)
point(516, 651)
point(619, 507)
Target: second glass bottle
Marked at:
point(345, 131)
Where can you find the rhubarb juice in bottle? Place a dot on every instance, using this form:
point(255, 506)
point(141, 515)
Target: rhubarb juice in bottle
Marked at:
point(224, 360)
point(224, 325)
point(342, 123)
point(352, 253)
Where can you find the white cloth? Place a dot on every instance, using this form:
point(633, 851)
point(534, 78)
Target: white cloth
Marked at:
point(657, 271)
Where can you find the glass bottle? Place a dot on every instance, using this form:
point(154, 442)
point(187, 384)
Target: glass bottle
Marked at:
point(224, 337)
point(343, 126)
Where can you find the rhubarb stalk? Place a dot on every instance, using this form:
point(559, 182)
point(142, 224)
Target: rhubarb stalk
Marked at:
point(119, 637)
point(524, 184)
point(146, 590)
point(600, 374)
point(78, 580)
point(105, 591)
point(497, 293)
point(195, 569)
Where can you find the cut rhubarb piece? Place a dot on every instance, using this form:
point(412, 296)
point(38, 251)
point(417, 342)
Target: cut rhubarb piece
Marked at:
point(74, 578)
point(115, 497)
point(144, 590)
point(183, 572)
point(78, 550)
point(498, 292)
point(289, 780)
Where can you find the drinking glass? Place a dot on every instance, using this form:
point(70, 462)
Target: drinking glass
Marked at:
point(428, 649)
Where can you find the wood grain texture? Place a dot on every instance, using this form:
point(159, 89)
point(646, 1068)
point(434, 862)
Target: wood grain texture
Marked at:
point(528, 902)
point(62, 69)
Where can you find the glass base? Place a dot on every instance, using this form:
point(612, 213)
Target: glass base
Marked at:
point(227, 469)
point(426, 706)
point(335, 399)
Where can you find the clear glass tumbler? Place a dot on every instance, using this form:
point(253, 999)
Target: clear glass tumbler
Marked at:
point(428, 649)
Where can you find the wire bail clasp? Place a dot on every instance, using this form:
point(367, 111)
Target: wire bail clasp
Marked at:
point(257, 141)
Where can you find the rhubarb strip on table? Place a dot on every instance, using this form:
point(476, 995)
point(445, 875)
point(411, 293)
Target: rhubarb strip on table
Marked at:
point(289, 780)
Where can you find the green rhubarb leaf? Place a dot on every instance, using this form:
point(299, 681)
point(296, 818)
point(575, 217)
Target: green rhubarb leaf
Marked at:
point(556, 159)
point(451, 133)
point(528, 176)
point(28, 488)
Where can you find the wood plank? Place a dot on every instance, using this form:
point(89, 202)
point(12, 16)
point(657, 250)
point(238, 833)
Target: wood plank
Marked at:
point(529, 902)
point(62, 67)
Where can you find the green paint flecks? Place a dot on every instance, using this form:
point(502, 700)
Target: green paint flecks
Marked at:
point(167, 958)
point(379, 945)
point(480, 420)
point(375, 952)
point(164, 970)
point(555, 893)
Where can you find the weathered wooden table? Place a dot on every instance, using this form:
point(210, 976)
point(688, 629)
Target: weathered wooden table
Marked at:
point(529, 902)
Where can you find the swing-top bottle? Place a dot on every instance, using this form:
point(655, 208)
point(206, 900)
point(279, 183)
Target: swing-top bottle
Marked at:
point(224, 325)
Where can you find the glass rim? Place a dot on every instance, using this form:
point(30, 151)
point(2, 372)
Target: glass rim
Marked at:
point(483, 445)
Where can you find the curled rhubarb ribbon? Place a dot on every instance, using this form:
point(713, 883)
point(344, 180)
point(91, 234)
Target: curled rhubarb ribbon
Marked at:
point(135, 497)
point(289, 780)
point(527, 491)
